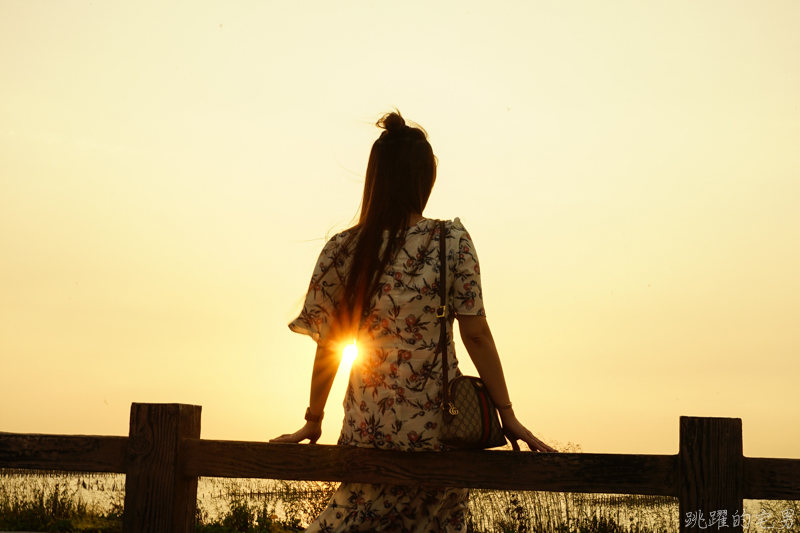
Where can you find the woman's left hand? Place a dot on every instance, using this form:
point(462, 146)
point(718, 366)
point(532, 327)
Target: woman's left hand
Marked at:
point(515, 431)
point(311, 431)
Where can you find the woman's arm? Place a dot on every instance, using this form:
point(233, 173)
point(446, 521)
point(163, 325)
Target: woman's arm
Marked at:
point(480, 345)
point(326, 364)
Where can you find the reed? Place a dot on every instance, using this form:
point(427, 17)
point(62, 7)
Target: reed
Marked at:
point(52, 501)
point(533, 512)
point(93, 503)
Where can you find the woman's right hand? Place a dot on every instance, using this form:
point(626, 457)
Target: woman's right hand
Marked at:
point(311, 431)
point(515, 431)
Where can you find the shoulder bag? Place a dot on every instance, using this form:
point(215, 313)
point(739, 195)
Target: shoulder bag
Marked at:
point(469, 417)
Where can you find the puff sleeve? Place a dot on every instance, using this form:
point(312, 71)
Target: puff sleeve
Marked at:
point(467, 295)
point(322, 299)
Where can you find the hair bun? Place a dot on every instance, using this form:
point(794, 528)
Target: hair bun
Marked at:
point(391, 122)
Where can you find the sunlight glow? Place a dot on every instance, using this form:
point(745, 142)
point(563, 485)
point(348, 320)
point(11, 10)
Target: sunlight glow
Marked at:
point(349, 354)
point(180, 218)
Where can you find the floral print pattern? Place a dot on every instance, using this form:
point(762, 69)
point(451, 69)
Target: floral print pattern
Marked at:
point(393, 508)
point(393, 399)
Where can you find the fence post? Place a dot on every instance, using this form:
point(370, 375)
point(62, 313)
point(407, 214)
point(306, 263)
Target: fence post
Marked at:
point(710, 473)
point(158, 497)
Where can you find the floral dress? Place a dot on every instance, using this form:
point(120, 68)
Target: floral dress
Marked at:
point(393, 399)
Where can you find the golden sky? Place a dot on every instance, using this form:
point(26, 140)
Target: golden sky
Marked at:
point(629, 171)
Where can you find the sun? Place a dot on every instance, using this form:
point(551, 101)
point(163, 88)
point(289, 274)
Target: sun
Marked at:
point(349, 354)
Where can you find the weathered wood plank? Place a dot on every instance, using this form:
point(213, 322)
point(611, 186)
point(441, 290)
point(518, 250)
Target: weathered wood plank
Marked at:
point(710, 472)
point(159, 497)
point(76, 453)
point(771, 479)
point(569, 472)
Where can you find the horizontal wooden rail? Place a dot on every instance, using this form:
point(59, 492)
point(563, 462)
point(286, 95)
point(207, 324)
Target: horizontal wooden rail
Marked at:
point(764, 478)
point(73, 453)
point(563, 472)
point(771, 479)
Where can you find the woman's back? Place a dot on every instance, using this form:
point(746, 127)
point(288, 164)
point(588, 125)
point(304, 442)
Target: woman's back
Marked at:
point(393, 399)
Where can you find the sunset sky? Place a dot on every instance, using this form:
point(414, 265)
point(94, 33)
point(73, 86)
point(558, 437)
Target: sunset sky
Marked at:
point(629, 172)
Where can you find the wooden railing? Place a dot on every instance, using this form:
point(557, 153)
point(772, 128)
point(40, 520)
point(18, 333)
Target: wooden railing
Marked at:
point(163, 456)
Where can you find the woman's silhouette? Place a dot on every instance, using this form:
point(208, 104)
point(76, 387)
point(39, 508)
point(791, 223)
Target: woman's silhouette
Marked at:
point(377, 282)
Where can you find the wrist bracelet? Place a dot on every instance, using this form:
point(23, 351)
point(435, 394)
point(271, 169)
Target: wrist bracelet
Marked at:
point(313, 418)
point(505, 406)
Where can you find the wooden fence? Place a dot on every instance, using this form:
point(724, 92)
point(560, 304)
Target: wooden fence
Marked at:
point(163, 456)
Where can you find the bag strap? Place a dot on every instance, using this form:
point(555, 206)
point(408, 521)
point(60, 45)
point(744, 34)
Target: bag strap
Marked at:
point(441, 314)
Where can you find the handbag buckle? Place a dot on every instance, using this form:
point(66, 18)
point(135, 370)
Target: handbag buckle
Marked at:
point(440, 311)
point(453, 411)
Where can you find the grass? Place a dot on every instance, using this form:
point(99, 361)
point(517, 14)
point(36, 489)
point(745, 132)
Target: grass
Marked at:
point(93, 503)
point(534, 512)
point(53, 507)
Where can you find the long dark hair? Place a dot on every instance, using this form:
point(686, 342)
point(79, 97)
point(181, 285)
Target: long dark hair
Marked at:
point(400, 175)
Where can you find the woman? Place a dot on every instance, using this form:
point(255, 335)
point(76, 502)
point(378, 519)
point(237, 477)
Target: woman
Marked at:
point(378, 283)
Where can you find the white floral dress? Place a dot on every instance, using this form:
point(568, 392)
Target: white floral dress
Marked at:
point(393, 399)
